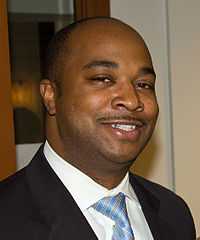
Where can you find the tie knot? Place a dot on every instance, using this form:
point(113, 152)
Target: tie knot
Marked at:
point(113, 207)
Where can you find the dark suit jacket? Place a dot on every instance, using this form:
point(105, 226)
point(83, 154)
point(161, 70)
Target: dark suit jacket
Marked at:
point(35, 205)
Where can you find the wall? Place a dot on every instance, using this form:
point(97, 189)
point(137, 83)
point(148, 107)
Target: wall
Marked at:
point(184, 19)
point(24, 153)
point(171, 30)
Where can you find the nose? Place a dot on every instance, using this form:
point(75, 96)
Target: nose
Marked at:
point(127, 98)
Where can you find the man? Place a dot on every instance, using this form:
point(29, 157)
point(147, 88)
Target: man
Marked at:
point(99, 93)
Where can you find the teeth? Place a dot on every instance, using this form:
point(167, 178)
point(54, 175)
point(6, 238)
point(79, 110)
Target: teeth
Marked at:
point(124, 127)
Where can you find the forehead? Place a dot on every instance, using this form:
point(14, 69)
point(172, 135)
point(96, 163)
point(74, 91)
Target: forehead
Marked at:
point(107, 40)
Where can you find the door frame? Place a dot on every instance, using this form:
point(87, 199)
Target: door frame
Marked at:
point(7, 149)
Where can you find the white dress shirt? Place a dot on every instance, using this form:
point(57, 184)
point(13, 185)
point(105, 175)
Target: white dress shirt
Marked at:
point(86, 192)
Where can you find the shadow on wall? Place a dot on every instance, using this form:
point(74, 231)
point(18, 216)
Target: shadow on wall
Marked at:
point(146, 161)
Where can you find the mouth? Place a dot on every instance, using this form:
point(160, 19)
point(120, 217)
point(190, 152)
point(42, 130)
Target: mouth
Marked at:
point(124, 130)
point(124, 127)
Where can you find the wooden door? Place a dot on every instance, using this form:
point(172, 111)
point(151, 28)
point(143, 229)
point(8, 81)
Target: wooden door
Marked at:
point(7, 146)
point(91, 8)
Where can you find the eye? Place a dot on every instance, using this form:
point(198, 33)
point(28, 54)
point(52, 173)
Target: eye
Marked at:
point(106, 80)
point(145, 85)
point(102, 79)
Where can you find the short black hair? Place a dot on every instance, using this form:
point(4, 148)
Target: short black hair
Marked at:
point(56, 49)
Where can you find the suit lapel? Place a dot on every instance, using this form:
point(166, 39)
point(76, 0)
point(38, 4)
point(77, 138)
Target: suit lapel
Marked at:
point(58, 210)
point(151, 208)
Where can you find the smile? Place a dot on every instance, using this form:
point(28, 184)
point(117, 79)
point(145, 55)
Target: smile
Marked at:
point(124, 127)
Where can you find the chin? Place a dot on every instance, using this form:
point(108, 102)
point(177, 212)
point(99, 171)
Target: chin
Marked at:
point(126, 158)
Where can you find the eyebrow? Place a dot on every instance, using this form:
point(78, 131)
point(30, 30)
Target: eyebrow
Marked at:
point(110, 64)
point(146, 70)
point(101, 63)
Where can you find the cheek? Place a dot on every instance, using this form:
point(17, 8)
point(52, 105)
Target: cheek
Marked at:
point(151, 108)
point(90, 103)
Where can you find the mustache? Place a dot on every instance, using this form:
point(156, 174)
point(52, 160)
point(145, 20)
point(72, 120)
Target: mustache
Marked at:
point(116, 117)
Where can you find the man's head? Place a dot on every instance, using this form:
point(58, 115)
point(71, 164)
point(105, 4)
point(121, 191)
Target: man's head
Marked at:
point(100, 96)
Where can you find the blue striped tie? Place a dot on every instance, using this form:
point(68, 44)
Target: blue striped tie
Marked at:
point(115, 208)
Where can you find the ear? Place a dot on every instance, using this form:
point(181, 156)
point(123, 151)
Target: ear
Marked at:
point(48, 93)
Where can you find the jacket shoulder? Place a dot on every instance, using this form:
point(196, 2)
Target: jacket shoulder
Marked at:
point(14, 193)
point(163, 194)
point(172, 208)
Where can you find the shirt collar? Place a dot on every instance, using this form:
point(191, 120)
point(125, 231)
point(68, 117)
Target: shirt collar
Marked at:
point(80, 185)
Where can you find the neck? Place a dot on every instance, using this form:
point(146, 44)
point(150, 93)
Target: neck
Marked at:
point(109, 182)
point(109, 175)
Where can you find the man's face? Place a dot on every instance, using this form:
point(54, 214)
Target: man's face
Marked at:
point(107, 109)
